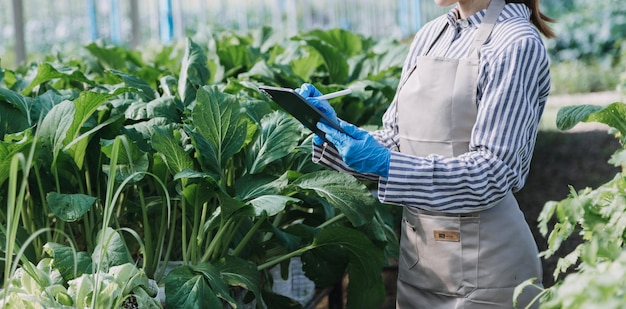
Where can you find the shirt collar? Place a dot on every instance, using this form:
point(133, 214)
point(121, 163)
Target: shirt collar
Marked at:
point(511, 10)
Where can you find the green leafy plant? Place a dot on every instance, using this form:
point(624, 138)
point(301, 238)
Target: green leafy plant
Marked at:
point(193, 164)
point(69, 278)
point(597, 215)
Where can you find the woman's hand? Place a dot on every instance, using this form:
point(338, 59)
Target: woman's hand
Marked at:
point(309, 92)
point(358, 149)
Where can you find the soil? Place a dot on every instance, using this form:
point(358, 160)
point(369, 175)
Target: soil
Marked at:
point(578, 158)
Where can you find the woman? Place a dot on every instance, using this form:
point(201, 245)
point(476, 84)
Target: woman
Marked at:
point(456, 142)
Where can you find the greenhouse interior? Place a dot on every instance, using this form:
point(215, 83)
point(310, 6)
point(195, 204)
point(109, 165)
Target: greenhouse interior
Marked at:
point(142, 165)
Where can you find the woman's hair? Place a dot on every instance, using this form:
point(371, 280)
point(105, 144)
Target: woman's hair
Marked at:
point(537, 18)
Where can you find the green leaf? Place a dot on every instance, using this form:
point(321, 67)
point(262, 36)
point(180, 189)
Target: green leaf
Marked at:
point(343, 192)
point(567, 117)
point(193, 72)
point(302, 61)
point(545, 216)
point(132, 279)
point(617, 159)
point(271, 204)
point(185, 288)
point(53, 129)
point(115, 57)
point(289, 241)
point(131, 159)
point(230, 206)
point(325, 265)
point(235, 54)
point(42, 104)
point(190, 174)
point(219, 125)
point(260, 71)
point(11, 120)
point(20, 242)
point(349, 43)
point(164, 141)
point(22, 103)
point(196, 194)
point(520, 289)
point(85, 105)
point(278, 136)
point(11, 146)
point(213, 276)
point(365, 263)
point(111, 249)
point(164, 107)
point(46, 72)
point(69, 207)
point(241, 273)
point(253, 186)
point(613, 115)
point(335, 62)
point(280, 301)
point(65, 259)
point(142, 132)
point(146, 92)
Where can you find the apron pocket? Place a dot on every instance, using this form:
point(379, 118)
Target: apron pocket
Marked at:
point(439, 253)
point(408, 251)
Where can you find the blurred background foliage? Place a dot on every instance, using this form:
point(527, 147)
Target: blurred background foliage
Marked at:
point(587, 55)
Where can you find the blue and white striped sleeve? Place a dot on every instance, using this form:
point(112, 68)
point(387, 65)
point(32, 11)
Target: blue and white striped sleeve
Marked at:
point(328, 156)
point(514, 89)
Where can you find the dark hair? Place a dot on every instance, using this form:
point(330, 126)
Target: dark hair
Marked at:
point(537, 18)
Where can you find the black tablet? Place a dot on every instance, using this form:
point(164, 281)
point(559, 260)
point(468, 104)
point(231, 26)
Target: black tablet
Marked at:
point(300, 108)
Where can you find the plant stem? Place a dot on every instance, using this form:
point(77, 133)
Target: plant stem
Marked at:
point(195, 230)
point(44, 202)
point(332, 220)
point(170, 242)
point(215, 242)
point(247, 237)
point(29, 224)
point(285, 257)
point(149, 264)
point(183, 222)
point(165, 219)
point(277, 220)
point(201, 235)
point(229, 238)
point(13, 214)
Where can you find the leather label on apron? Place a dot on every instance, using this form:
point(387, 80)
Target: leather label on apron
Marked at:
point(452, 236)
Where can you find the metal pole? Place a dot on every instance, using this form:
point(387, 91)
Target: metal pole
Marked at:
point(18, 24)
point(134, 22)
point(417, 21)
point(115, 20)
point(403, 23)
point(178, 20)
point(166, 21)
point(92, 13)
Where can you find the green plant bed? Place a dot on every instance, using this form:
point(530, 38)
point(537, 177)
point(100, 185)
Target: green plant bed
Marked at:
point(179, 157)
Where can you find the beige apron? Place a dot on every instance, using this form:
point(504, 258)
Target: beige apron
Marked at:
point(449, 260)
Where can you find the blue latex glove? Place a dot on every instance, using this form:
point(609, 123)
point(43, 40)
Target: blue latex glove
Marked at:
point(309, 92)
point(360, 150)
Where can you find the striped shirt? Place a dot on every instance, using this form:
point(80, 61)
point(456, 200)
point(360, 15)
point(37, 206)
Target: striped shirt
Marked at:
point(513, 86)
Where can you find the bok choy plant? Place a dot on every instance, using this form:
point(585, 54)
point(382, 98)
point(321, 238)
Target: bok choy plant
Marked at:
point(182, 159)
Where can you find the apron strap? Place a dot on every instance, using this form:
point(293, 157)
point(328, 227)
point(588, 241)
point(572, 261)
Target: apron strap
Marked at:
point(486, 26)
